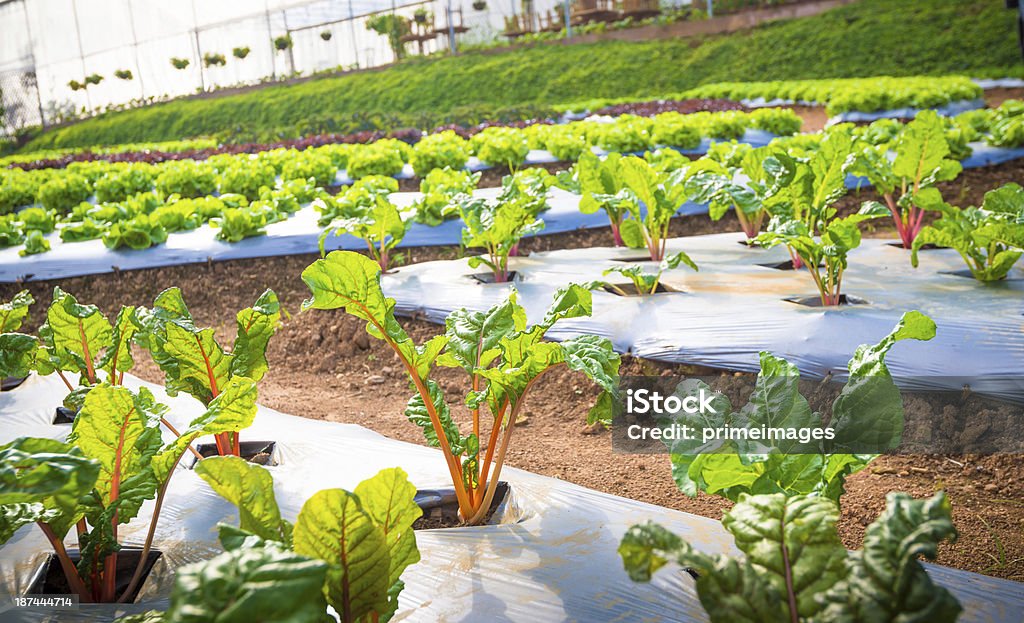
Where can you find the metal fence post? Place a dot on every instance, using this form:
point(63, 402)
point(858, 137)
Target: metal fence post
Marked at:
point(711, 9)
point(568, 18)
point(451, 31)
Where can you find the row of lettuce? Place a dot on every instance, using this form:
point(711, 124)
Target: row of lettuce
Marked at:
point(349, 549)
point(785, 193)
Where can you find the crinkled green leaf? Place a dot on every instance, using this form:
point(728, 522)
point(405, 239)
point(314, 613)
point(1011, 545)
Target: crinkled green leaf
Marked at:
point(256, 325)
point(17, 354)
point(389, 499)
point(13, 312)
point(74, 335)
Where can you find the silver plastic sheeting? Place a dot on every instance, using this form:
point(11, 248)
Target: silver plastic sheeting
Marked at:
point(295, 235)
point(947, 110)
point(999, 83)
point(549, 557)
point(736, 307)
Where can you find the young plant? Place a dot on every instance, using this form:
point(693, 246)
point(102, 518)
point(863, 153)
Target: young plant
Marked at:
point(496, 227)
point(355, 200)
point(647, 283)
point(17, 350)
point(140, 232)
point(35, 243)
point(499, 146)
point(922, 161)
point(363, 538)
point(766, 170)
point(503, 357)
point(602, 188)
point(114, 460)
point(439, 151)
point(990, 239)
point(806, 221)
point(194, 362)
point(381, 227)
point(661, 195)
point(796, 569)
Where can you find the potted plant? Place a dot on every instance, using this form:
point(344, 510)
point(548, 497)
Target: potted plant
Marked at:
point(93, 79)
point(240, 52)
point(123, 74)
point(421, 16)
point(326, 35)
point(76, 85)
point(283, 42)
point(479, 5)
point(179, 63)
point(212, 58)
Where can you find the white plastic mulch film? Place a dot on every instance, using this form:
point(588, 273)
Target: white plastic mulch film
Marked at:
point(550, 556)
point(735, 307)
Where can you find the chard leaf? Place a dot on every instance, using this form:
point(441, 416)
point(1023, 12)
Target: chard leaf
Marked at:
point(200, 366)
point(885, 581)
point(74, 335)
point(389, 499)
point(416, 411)
point(256, 325)
point(118, 357)
point(867, 416)
point(17, 354)
point(473, 336)
point(922, 147)
point(13, 312)
point(232, 410)
point(43, 479)
point(332, 526)
point(250, 487)
point(121, 431)
point(265, 583)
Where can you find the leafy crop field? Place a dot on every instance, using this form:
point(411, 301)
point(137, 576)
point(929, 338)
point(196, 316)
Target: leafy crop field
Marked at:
point(388, 371)
point(868, 38)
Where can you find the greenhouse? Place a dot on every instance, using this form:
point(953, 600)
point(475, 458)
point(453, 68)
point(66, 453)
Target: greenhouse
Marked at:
point(538, 311)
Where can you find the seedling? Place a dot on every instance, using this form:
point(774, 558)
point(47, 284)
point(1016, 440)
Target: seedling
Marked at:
point(501, 354)
point(661, 195)
point(497, 226)
point(381, 227)
point(647, 283)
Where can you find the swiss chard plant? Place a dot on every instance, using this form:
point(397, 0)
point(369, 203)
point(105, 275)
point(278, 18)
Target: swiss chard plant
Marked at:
point(765, 172)
point(866, 419)
point(807, 222)
point(990, 239)
point(17, 350)
point(113, 461)
point(503, 356)
point(921, 161)
point(381, 227)
point(661, 195)
point(355, 200)
point(796, 569)
point(601, 188)
point(362, 539)
point(645, 283)
point(191, 358)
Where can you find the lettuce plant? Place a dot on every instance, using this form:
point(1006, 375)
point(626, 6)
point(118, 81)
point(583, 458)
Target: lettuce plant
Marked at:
point(187, 178)
point(922, 161)
point(625, 134)
point(380, 158)
point(355, 199)
point(364, 537)
point(87, 229)
point(35, 243)
point(39, 219)
point(440, 188)
point(647, 283)
point(443, 150)
point(795, 567)
point(11, 233)
point(990, 239)
point(64, 192)
point(140, 232)
point(499, 146)
point(119, 184)
point(246, 177)
point(501, 354)
point(381, 227)
point(675, 130)
point(310, 164)
point(114, 461)
point(191, 358)
point(866, 417)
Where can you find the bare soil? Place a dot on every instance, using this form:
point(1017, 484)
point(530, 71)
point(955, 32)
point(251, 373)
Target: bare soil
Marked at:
point(323, 365)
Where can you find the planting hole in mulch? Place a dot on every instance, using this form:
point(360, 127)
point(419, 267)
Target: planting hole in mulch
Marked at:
point(630, 290)
point(488, 278)
point(966, 274)
point(259, 452)
point(11, 382)
point(49, 578)
point(63, 415)
point(787, 265)
point(749, 243)
point(633, 259)
point(815, 301)
point(441, 507)
point(926, 247)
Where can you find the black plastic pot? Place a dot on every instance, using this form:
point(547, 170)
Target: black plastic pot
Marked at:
point(49, 578)
point(63, 415)
point(261, 452)
point(479, 6)
point(441, 506)
point(11, 382)
point(631, 291)
point(787, 265)
point(633, 259)
point(967, 274)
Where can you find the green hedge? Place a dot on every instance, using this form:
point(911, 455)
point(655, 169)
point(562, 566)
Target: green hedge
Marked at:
point(870, 37)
